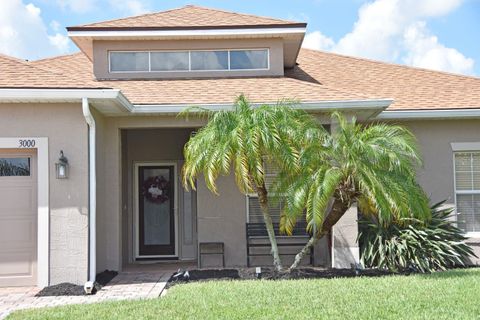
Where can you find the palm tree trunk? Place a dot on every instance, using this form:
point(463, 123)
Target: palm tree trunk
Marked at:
point(338, 209)
point(263, 199)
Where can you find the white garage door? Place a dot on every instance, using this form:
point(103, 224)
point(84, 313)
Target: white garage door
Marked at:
point(18, 218)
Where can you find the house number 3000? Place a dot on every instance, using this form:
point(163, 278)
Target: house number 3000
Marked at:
point(26, 143)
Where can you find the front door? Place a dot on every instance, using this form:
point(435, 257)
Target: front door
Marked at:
point(156, 210)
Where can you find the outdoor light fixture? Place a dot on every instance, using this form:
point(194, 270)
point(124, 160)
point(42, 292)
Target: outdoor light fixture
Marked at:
point(62, 166)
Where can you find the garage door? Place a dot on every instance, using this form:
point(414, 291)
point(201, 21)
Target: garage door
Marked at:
point(18, 218)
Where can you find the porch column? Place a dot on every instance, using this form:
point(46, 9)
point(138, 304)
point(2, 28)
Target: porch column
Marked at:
point(345, 250)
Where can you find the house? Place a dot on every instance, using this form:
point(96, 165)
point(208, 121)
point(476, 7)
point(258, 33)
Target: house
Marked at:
point(91, 144)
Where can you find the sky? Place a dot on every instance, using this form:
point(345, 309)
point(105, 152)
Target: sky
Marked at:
point(434, 34)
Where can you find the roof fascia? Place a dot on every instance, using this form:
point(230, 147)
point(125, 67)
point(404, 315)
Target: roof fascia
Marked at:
point(321, 106)
point(73, 95)
point(473, 112)
point(186, 33)
point(255, 26)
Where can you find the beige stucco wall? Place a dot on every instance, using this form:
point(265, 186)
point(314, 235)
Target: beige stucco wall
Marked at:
point(101, 63)
point(436, 174)
point(110, 220)
point(223, 218)
point(434, 139)
point(156, 146)
point(65, 128)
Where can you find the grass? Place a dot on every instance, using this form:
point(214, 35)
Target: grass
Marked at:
point(444, 295)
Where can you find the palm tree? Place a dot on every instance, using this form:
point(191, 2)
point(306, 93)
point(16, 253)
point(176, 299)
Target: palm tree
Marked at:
point(372, 165)
point(242, 140)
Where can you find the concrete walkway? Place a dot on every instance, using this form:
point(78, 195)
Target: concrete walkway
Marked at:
point(126, 285)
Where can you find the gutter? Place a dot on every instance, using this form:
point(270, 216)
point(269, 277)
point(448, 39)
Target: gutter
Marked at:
point(429, 114)
point(63, 95)
point(92, 196)
point(331, 105)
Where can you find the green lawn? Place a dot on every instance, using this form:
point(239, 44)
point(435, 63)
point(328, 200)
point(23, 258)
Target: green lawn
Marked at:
point(446, 295)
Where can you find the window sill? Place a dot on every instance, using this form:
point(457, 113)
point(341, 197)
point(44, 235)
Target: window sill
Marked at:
point(475, 235)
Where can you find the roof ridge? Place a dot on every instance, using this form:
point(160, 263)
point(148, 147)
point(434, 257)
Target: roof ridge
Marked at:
point(129, 17)
point(57, 57)
point(6, 56)
point(52, 70)
point(240, 14)
point(393, 64)
point(180, 8)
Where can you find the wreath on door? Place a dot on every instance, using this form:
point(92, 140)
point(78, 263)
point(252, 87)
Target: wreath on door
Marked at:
point(156, 189)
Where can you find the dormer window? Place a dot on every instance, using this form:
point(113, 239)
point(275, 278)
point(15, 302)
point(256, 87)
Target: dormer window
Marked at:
point(191, 60)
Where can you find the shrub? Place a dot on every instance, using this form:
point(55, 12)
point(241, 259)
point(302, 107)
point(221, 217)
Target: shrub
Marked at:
point(413, 245)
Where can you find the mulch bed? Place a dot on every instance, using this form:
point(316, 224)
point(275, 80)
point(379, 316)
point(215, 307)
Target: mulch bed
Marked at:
point(270, 274)
point(70, 289)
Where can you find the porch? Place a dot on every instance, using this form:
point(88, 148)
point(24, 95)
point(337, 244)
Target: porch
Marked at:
point(138, 229)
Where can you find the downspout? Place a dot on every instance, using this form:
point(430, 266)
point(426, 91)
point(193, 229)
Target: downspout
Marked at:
point(92, 196)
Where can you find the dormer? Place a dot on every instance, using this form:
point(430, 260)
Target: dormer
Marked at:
point(189, 42)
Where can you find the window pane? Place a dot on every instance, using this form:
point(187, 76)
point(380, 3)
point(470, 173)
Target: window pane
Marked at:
point(248, 59)
point(463, 162)
point(255, 212)
point(209, 60)
point(169, 61)
point(463, 180)
point(14, 167)
point(129, 61)
point(468, 210)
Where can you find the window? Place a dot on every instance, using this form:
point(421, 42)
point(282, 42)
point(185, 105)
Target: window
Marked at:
point(169, 61)
point(193, 60)
point(467, 190)
point(255, 214)
point(129, 61)
point(248, 59)
point(209, 60)
point(10, 167)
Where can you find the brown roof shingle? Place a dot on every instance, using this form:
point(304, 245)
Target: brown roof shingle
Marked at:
point(189, 16)
point(411, 88)
point(319, 76)
point(15, 73)
point(201, 91)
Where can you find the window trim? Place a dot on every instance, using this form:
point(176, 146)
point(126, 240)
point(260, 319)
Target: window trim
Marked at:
point(109, 53)
point(457, 149)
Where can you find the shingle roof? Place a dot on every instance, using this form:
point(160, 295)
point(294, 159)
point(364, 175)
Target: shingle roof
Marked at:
point(187, 17)
point(202, 91)
point(319, 76)
point(411, 88)
point(15, 73)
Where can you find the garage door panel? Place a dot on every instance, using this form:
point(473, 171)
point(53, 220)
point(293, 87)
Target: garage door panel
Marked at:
point(18, 218)
point(18, 233)
point(18, 198)
point(17, 268)
point(16, 263)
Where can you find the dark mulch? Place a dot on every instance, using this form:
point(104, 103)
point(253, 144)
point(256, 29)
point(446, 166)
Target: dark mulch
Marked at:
point(270, 274)
point(61, 289)
point(103, 278)
point(70, 289)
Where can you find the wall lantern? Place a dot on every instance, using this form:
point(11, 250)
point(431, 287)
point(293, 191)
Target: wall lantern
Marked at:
point(62, 166)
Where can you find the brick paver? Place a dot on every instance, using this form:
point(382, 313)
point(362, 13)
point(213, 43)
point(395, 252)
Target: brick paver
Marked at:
point(126, 285)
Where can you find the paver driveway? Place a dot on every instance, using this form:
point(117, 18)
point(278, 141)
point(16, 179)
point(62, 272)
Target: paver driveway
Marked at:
point(126, 285)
